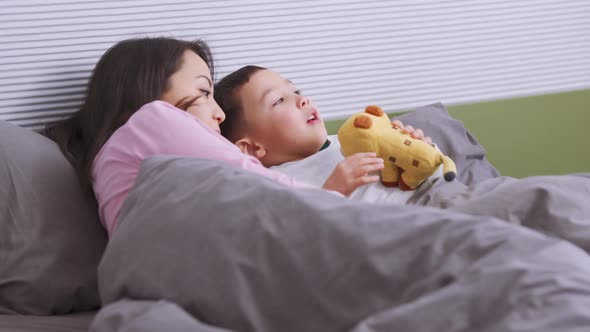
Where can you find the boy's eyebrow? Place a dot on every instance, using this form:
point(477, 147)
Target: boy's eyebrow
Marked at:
point(207, 78)
point(267, 91)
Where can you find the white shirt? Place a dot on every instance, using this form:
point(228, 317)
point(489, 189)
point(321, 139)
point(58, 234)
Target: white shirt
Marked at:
point(316, 169)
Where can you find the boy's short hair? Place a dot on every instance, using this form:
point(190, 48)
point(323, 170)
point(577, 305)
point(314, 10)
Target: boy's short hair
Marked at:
point(225, 94)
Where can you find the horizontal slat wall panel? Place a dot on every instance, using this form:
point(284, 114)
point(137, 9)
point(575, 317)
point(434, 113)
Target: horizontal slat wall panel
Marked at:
point(343, 54)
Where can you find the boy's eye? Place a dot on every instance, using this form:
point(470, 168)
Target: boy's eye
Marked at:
point(280, 100)
point(298, 92)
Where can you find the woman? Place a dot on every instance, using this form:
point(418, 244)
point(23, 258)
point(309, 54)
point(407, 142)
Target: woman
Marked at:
point(146, 97)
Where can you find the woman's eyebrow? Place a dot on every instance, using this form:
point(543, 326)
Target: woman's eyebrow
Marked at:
point(205, 77)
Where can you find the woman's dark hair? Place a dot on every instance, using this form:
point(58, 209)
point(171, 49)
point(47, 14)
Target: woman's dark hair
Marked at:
point(225, 94)
point(129, 75)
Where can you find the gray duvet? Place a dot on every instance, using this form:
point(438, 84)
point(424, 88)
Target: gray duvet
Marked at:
point(203, 246)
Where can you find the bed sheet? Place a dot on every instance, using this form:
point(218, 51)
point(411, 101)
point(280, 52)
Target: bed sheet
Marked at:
point(63, 323)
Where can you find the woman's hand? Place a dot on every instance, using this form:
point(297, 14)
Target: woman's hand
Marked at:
point(415, 133)
point(353, 172)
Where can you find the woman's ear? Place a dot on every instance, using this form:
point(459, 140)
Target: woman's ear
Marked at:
point(251, 148)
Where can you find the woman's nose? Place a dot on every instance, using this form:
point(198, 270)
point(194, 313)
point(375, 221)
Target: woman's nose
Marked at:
point(218, 114)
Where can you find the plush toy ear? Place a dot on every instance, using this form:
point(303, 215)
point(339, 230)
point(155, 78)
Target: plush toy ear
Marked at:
point(250, 147)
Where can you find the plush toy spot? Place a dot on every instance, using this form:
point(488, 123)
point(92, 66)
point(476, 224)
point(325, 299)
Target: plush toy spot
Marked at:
point(407, 142)
point(392, 159)
point(389, 184)
point(415, 163)
point(374, 110)
point(363, 122)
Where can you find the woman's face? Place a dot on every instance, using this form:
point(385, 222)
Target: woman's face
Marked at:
point(193, 80)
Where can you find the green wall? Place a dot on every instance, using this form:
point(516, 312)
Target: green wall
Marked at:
point(536, 135)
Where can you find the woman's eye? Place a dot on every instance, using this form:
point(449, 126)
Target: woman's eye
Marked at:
point(280, 100)
point(206, 93)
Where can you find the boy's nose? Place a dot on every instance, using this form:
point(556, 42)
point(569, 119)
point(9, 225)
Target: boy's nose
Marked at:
point(303, 101)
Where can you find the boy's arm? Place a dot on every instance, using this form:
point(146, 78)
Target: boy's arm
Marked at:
point(353, 172)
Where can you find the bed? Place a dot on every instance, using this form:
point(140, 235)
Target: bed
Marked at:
point(230, 251)
point(47, 323)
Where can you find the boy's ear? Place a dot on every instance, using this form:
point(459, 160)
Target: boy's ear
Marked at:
point(250, 147)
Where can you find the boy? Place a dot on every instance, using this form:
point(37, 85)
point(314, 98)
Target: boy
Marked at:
point(268, 118)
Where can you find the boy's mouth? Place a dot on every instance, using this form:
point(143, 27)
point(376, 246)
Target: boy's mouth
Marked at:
point(313, 118)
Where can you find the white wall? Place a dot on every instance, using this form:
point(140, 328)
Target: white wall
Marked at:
point(343, 54)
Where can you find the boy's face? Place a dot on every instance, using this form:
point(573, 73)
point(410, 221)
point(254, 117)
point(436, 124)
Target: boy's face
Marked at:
point(285, 123)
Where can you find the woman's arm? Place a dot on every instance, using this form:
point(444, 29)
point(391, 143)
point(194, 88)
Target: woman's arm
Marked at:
point(167, 130)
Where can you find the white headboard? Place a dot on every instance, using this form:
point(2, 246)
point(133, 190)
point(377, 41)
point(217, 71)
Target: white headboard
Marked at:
point(343, 54)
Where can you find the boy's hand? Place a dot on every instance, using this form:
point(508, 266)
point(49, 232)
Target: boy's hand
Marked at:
point(353, 172)
point(415, 133)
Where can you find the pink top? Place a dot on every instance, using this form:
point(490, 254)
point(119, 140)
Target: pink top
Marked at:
point(159, 128)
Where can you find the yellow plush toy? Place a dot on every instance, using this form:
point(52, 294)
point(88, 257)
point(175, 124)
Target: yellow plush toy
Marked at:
point(408, 161)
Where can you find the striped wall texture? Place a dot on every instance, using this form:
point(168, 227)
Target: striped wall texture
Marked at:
point(343, 54)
